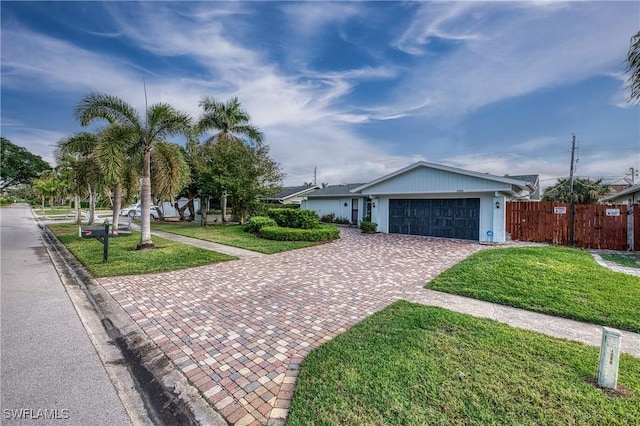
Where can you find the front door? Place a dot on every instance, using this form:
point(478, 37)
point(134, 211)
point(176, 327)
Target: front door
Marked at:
point(354, 211)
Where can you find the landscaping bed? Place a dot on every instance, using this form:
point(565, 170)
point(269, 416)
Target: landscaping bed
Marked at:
point(417, 365)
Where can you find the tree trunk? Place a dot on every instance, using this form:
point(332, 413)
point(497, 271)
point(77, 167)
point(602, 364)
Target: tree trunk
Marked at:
point(145, 203)
point(223, 201)
point(77, 210)
point(42, 209)
point(92, 206)
point(117, 204)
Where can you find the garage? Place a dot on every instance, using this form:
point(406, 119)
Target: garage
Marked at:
point(449, 218)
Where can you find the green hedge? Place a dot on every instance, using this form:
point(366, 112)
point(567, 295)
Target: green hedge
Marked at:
point(295, 218)
point(258, 222)
point(322, 233)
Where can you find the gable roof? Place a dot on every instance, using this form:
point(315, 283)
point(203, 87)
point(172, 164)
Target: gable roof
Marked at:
point(292, 191)
point(503, 179)
point(345, 189)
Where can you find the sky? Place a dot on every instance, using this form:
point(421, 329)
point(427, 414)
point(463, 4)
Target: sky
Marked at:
point(352, 90)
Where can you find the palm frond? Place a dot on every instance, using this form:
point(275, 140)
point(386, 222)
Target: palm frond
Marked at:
point(111, 108)
point(169, 170)
point(633, 68)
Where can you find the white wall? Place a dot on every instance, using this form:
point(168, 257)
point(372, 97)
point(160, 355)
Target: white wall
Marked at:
point(324, 206)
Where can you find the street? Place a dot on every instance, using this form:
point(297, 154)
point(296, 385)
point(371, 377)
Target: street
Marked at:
point(50, 372)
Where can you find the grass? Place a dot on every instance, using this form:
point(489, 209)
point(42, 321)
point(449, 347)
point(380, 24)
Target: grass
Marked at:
point(417, 365)
point(124, 259)
point(554, 280)
point(630, 260)
point(231, 235)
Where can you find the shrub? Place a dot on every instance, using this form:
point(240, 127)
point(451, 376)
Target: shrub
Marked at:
point(294, 218)
point(342, 221)
point(258, 222)
point(368, 227)
point(322, 233)
point(328, 218)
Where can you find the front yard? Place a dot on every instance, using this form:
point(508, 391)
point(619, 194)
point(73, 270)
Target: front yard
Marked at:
point(124, 259)
point(230, 235)
point(552, 280)
point(416, 365)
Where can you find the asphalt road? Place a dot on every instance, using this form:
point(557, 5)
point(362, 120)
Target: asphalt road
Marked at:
point(50, 371)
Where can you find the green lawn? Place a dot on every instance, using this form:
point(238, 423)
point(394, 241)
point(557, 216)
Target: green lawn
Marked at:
point(124, 259)
point(630, 260)
point(554, 280)
point(417, 365)
point(231, 235)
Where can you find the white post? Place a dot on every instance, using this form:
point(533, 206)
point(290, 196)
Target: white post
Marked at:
point(609, 357)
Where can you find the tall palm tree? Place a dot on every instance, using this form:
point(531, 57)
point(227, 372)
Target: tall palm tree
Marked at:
point(160, 121)
point(230, 121)
point(633, 67)
point(46, 186)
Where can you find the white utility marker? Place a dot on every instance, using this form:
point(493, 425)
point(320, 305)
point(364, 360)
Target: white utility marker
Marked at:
point(609, 357)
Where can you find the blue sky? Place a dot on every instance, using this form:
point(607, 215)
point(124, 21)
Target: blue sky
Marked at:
point(356, 89)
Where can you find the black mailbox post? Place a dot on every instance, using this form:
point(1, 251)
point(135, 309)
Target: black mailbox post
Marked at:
point(100, 233)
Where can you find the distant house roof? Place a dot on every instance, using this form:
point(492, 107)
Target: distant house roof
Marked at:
point(534, 180)
point(634, 189)
point(289, 192)
point(333, 190)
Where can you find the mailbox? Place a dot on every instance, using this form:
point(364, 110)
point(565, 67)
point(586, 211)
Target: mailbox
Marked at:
point(92, 231)
point(100, 233)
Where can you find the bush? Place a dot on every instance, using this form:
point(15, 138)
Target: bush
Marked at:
point(328, 218)
point(294, 218)
point(322, 233)
point(368, 227)
point(258, 222)
point(342, 221)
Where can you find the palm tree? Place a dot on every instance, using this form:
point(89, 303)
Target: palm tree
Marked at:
point(77, 152)
point(231, 122)
point(160, 121)
point(633, 67)
point(46, 186)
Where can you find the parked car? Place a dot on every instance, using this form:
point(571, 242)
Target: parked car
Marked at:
point(135, 211)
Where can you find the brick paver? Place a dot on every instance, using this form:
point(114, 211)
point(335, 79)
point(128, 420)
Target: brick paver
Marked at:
point(239, 330)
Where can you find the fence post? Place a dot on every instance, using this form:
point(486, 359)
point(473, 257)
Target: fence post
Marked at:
point(630, 225)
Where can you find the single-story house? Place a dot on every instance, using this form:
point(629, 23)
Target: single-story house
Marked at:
point(629, 196)
point(427, 199)
point(291, 194)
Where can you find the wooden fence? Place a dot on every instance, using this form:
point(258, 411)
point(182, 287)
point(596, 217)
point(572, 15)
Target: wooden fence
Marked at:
point(596, 226)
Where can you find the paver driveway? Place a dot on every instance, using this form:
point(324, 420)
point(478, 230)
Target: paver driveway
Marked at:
point(239, 330)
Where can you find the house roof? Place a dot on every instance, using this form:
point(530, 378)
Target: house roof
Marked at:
point(629, 190)
point(293, 191)
point(509, 180)
point(333, 190)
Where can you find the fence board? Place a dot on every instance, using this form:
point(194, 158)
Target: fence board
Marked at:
point(544, 222)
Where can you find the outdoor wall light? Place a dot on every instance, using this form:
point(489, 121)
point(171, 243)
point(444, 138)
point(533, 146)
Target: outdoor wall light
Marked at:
point(497, 204)
point(345, 204)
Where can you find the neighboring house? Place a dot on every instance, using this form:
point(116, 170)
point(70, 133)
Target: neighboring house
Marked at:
point(339, 201)
point(429, 199)
point(629, 196)
point(291, 194)
point(534, 180)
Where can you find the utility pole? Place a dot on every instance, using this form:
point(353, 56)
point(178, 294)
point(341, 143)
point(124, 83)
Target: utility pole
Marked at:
point(315, 175)
point(572, 207)
point(634, 173)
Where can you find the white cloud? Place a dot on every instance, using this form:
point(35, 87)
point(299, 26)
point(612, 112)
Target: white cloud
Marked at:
point(516, 49)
